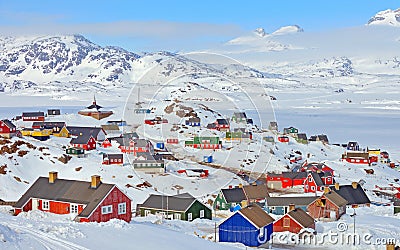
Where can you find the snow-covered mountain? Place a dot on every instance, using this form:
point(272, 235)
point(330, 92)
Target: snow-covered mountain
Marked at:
point(386, 17)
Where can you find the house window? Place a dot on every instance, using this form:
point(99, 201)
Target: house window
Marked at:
point(45, 205)
point(312, 188)
point(286, 222)
point(147, 212)
point(190, 218)
point(201, 213)
point(273, 208)
point(74, 209)
point(122, 208)
point(310, 179)
point(106, 209)
point(223, 205)
point(177, 216)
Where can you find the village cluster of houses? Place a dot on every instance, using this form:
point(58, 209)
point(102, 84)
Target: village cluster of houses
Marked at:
point(251, 206)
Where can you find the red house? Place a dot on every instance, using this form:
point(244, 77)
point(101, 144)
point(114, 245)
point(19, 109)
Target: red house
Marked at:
point(317, 181)
point(110, 159)
point(330, 206)
point(222, 124)
point(90, 201)
point(87, 142)
point(172, 141)
point(315, 167)
point(283, 139)
point(7, 129)
point(135, 146)
point(106, 143)
point(356, 157)
point(33, 116)
point(286, 179)
point(294, 221)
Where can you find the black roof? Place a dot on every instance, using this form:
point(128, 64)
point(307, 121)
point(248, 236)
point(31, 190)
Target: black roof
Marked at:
point(68, 191)
point(8, 123)
point(113, 156)
point(302, 136)
point(352, 195)
point(76, 130)
point(290, 175)
point(165, 202)
point(233, 195)
point(82, 139)
point(222, 121)
point(32, 114)
point(323, 138)
point(318, 177)
point(396, 202)
point(48, 125)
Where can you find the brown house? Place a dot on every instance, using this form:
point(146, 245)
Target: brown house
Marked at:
point(330, 206)
point(256, 193)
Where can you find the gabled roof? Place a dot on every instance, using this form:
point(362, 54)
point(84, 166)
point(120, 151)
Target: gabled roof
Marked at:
point(222, 122)
point(352, 143)
point(194, 119)
point(302, 136)
point(256, 215)
point(323, 138)
point(335, 198)
point(113, 156)
point(256, 191)
point(233, 195)
point(317, 178)
point(304, 219)
point(352, 195)
point(32, 114)
point(290, 175)
point(240, 115)
point(110, 127)
point(76, 130)
point(8, 123)
point(71, 191)
point(166, 202)
point(286, 201)
point(184, 195)
point(122, 141)
point(82, 139)
point(141, 142)
point(48, 125)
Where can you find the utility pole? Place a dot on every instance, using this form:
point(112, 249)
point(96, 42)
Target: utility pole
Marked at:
point(215, 231)
point(354, 226)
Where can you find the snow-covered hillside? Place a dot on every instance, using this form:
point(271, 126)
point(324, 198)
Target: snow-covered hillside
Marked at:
point(386, 17)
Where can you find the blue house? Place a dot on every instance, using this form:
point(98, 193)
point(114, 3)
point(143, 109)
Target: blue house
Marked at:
point(281, 205)
point(193, 121)
point(250, 226)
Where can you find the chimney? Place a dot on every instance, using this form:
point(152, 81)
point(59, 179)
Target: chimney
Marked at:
point(326, 190)
point(240, 185)
point(230, 186)
point(254, 183)
point(319, 171)
point(95, 181)
point(292, 207)
point(337, 185)
point(52, 176)
point(354, 184)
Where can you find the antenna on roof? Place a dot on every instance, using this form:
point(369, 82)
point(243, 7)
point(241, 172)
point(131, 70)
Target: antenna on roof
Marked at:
point(94, 99)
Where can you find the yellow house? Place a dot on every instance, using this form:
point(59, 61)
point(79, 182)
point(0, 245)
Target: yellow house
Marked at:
point(63, 133)
point(374, 152)
point(36, 133)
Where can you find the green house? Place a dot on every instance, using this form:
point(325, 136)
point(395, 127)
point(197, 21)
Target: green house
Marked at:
point(75, 151)
point(230, 198)
point(239, 117)
point(209, 142)
point(302, 138)
point(396, 205)
point(177, 207)
point(290, 130)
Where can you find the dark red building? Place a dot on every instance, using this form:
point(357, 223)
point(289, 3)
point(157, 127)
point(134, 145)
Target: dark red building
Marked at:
point(294, 221)
point(111, 159)
point(7, 129)
point(317, 181)
point(87, 142)
point(90, 201)
point(286, 179)
point(33, 116)
point(330, 206)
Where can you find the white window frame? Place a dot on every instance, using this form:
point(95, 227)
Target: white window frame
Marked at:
point(147, 212)
point(45, 205)
point(106, 209)
point(313, 188)
point(261, 232)
point(202, 213)
point(73, 208)
point(122, 208)
point(190, 216)
point(177, 216)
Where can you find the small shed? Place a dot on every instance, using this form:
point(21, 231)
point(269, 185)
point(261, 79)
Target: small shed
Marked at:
point(113, 159)
point(284, 139)
point(53, 112)
point(207, 158)
point(75, 151)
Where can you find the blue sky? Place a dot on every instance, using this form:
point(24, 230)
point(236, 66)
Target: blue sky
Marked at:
point(178, 25)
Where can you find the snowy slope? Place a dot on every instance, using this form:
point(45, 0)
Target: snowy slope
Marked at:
point(386, 17)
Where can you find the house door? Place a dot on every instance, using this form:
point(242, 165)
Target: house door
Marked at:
point(35, 204)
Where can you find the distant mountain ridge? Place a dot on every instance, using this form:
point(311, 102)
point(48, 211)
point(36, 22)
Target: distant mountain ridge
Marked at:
point(387, 17)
